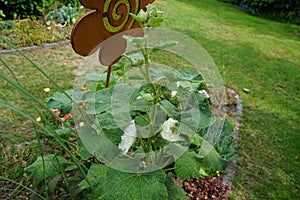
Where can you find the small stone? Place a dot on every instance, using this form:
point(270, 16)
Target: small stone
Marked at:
point(246, 90)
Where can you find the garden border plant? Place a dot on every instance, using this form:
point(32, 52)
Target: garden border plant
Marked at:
point(50, 171)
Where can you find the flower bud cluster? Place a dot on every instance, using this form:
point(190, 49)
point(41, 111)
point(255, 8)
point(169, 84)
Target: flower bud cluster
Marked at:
point(149, 18)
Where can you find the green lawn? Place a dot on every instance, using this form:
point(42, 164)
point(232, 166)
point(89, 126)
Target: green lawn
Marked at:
point(253, 53)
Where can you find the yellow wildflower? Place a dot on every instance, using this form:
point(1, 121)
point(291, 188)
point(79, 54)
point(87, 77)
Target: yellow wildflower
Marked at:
point(46, 89)
point(38, 119)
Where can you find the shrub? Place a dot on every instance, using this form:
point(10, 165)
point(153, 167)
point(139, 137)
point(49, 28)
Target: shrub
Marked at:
point(287, 10)
point(277, 9)
point(20, 8)
point(74, 3)
point(29, 8)
point(236, 2)
point(63, 15)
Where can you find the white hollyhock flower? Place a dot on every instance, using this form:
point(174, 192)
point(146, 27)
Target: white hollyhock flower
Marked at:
point(205, 93)
point(173, 94)
point(168, 130)
point(128, 138)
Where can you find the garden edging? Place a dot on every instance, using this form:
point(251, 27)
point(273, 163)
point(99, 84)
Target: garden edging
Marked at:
point(230, 170)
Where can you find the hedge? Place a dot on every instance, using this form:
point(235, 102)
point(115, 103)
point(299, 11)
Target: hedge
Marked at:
point(287, 10)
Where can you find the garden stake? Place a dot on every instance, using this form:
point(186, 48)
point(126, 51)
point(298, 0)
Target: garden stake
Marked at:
point(109, 72)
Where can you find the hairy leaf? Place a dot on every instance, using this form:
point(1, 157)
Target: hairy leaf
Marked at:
point(52, 164)
point(175, 192)
point(108, 183)
point(170, 110)
point(60, 101)
point(188, 166)
point(101, 102)
point(164, 45)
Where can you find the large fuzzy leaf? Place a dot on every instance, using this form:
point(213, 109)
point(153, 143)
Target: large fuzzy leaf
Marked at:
point(96, 181)
point(170, 109)
point(60, 101)
point(101, 102)
point(175, 192)
point(45, 169)
point(213, 161)
point(108, 183)
point(188, 166)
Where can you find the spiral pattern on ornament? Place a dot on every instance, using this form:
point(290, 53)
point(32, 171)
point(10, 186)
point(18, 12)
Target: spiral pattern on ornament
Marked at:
point(116, 14)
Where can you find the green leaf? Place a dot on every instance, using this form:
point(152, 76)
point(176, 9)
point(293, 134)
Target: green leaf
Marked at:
point(97, 177)
point(191, 74)
point(138, 41)
point(53, 165)
point(64, 133)
point(227, 145)
point(175, 192)
point(164, 45)
point(82, 96)
point(141, 105)
point(205, 111)
point(95, 77)
point(101, 102)
point(114, 135)
point(97, 81)
point(170, 75)
point(136, 59)
point(60, 101)
point(142, 16)
point(136, 186)
point(106, 121)
point(96, 142)
point(170, 109)
point(202, 172)
point(213, 161)
point(188, 166)
point(196, 140)
point(83, 152)
point(2, 14)
point(155, 21)
point(108, 183)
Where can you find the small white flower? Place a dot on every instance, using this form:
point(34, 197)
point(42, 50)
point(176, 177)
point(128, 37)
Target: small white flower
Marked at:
point(173, 94)
point(81, 124)
point(128, 138)
point(167, 130)
point(178, 84)
point(204, 92)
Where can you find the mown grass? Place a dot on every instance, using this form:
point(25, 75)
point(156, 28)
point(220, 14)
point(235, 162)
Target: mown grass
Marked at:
point(19, 146)
point(253, 53)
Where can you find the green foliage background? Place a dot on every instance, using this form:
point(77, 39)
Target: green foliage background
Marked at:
point(13, 9)
point(288, 10)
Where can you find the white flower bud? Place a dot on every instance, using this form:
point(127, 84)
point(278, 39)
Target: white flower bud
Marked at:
point(173, 94)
